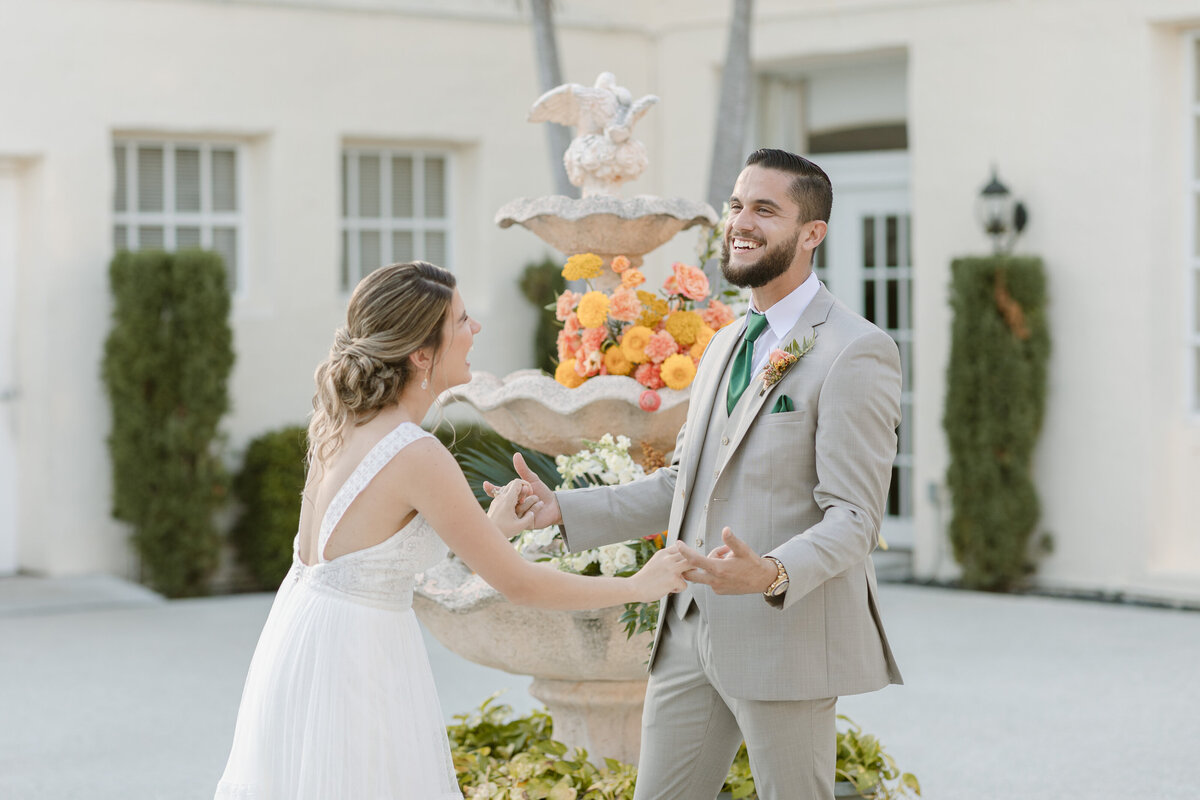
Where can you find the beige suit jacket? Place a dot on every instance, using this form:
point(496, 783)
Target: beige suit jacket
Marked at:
point(807, 486)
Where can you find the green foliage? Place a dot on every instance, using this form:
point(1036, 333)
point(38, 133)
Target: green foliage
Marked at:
point(861, 761)
point(166, 366)
point(541, 283)
point(484, 454)
point(268, 487)
point(501, 758)
point(995, 399)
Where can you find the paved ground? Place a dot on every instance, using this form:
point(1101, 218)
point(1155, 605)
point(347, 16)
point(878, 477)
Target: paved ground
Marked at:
point(108, 693)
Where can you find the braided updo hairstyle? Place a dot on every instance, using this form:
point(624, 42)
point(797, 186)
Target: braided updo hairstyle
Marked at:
point(394, 311)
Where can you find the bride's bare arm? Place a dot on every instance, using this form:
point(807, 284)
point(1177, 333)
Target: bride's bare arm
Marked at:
point(432, 483)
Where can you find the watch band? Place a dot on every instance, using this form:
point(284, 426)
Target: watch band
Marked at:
point(780, 585)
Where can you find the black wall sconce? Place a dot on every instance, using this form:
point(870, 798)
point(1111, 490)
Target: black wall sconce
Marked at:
point(1003, 218)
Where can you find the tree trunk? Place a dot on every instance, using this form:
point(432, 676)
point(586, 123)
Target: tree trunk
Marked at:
point(558, 137)
point(729, 139)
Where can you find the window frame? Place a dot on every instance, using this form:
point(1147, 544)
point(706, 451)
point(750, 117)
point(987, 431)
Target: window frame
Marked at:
point(1191, 293)
point(171, 219)
point(351, 222)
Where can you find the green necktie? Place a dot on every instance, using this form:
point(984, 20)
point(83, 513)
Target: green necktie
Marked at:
point(739, 379)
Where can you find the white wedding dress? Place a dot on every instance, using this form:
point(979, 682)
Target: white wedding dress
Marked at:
point(340, 702)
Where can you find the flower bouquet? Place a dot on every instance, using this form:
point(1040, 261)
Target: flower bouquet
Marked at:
point(656, 339)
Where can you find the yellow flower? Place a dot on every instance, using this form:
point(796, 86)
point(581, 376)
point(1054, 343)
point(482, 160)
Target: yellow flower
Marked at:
point(583, 266)
point(593, 309)
point(567, 376)
point(633, 344)
point(678, 371)
point(703, 337)
point(683, 326)
point(617, 362)
point(656, 309)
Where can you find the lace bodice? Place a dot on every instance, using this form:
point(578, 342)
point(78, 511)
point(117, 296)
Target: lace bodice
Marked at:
point(382, 575)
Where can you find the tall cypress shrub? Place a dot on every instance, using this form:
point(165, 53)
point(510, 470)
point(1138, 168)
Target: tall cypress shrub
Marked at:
point(269, 486)
point(166, 367)
point(996, 396)
point(541, 283)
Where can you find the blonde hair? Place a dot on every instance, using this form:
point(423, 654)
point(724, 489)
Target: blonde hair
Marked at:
point(394, 311)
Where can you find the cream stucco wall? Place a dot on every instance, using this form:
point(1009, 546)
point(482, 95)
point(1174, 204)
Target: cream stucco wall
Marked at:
point(1080, 105)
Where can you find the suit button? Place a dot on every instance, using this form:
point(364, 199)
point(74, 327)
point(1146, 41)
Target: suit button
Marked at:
point(724, 440)
point(699, 544)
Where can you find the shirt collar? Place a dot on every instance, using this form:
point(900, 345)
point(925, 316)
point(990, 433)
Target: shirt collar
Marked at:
point(784, 315)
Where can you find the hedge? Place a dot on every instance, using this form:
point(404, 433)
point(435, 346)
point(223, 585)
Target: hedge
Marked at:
point(268, 487)
point(995, 401)
point(166, 368)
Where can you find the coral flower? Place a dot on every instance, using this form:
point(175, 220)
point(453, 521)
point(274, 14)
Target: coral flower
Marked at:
point(566, 304)
point(589, 365)
point(650, 401)
point(632, 278)
point(688, 281)
point(660, 346)
point(593, 309)
point(616, 362)
point(625, 306)
point(571, 324)
point(650, 376)
point(717, 315)
point(567, 376)
point(620, 263)
point(684, 325)
point(592, 339)
point(568, 345)
point(678, 371)
point(634, 342)
point(583, 266)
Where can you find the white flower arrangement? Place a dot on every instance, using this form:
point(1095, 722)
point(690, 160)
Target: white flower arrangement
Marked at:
point(603, 463)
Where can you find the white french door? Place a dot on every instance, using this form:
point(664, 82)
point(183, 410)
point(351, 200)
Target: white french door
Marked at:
point(866, 261)
point(9, 227)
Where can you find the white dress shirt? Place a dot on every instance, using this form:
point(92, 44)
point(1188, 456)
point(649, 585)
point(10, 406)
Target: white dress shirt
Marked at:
point(781, 318)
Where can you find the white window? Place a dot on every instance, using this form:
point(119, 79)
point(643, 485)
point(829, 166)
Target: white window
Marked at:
point(1192, 285)
point(175, 195)
point(395, 208)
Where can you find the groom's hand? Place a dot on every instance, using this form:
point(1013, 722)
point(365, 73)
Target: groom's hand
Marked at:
point(546, 515)
point(733, 568)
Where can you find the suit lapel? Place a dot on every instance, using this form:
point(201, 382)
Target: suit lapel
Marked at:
point(755, 398)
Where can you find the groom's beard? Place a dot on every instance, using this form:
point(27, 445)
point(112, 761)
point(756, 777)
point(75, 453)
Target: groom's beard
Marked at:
point(774, 262)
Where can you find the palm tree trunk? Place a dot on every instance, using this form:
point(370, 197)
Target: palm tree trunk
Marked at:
point(733, 108)
point(558, 137)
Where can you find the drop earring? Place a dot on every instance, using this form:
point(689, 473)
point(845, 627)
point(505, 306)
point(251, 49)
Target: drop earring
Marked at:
point(425, 381)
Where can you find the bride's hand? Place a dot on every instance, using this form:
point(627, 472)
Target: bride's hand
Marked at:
point(503, 509)
point(662, 575)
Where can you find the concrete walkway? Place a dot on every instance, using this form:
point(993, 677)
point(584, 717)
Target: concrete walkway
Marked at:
point(109, 693)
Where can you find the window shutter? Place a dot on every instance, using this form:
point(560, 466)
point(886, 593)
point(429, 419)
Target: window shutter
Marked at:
point(369, 202)
point(224, 180)
point(150, 178)
point(435, 188)
point(402, 187)
point(120, 186)
point(187, 179)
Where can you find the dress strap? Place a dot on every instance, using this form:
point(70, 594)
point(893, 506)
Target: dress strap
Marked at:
point(383, 452)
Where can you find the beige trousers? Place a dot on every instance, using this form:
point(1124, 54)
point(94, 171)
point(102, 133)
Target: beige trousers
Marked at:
point(691, 729)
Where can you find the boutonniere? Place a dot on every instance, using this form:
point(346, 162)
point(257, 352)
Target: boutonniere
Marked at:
point(784, 358)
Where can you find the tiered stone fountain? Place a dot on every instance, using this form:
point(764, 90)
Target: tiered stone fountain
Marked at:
point(590, 677)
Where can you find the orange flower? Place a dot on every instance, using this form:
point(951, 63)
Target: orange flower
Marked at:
point(567, 376)
point(593, 309)
point(688, 281)
point(633, 343)
point(703, 337)
point(632, 278)
point(625, 306)
point(620, 263)
point(678, 371)
point(568, 345)
point(616, 362)
point(717, 315)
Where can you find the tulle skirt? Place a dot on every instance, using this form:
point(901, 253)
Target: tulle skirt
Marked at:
point(339, 704)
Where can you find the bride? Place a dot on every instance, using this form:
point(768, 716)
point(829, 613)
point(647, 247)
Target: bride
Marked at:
point(340, 700)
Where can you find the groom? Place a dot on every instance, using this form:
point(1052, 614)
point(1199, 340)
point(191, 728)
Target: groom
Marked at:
point(782, 483)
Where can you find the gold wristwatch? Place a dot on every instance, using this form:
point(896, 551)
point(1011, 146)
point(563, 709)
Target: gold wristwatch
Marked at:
point(780, 585)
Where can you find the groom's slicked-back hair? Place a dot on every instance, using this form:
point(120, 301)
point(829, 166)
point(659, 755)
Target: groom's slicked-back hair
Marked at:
point(811, 188)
